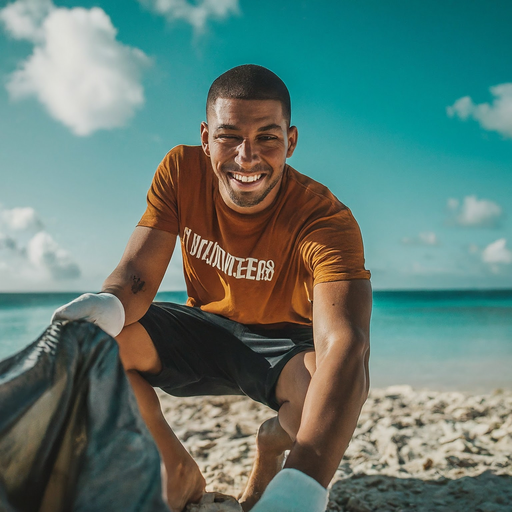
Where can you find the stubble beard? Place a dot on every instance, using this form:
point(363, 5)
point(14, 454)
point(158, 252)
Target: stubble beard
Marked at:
point(248, 199)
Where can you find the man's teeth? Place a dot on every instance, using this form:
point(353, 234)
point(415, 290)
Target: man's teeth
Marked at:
point(247, 179)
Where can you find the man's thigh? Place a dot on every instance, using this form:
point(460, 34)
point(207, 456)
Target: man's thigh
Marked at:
point(205, 354)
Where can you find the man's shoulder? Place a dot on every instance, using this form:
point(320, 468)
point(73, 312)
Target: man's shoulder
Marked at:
point(184, 154)
point(306, 189)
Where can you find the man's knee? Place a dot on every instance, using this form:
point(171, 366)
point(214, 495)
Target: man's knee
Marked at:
point(136, 349)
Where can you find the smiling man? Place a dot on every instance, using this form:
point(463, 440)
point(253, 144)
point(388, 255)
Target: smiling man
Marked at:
point(248, 145)
point(278, 303)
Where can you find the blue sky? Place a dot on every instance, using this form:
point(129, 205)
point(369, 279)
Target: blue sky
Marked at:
point(404, 109)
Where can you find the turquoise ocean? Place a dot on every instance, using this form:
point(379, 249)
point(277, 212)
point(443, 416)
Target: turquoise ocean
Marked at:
point(442, 340)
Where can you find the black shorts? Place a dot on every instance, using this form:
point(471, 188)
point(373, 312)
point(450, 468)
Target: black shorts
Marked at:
point(207, 354)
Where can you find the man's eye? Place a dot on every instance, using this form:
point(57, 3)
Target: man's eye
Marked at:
point(268, 137)
point(225, 136)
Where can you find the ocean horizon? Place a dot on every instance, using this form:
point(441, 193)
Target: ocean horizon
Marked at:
point(459, 340)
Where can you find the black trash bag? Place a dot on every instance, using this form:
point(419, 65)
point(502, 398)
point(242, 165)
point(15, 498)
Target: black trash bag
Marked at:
point(71, 436)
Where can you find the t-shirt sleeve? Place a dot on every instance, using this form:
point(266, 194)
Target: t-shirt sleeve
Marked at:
point(332, 249)
point(162, 209)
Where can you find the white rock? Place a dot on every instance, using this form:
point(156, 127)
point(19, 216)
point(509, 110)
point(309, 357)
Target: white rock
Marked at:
point(215, 502)
point(480, 429)
point(498, 433)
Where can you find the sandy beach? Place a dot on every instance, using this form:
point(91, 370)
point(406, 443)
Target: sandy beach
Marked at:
point(412, 450)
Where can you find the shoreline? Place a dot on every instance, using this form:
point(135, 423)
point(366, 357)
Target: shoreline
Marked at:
point(418, 450)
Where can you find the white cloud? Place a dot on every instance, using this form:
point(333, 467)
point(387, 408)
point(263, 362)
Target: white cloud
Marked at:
point(424, 238)
point(28, 252)
point(462, 108)
point(45, 254)
point(497, 253)
point(20, 219)
point(493, 117)
point(475, 212)
point(84, 77)
point(23, 19)
point(197, 14)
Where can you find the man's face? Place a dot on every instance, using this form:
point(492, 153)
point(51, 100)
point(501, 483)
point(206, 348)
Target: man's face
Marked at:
point(248, 142)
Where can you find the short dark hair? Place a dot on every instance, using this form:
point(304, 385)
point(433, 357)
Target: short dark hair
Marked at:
point(250, 82)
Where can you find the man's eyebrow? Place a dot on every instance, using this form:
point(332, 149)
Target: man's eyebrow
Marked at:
point(272, 126)
point(227, 127)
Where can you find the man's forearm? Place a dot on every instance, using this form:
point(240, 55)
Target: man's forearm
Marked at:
point(337, 391)
point(131, 288)
point(136, 279)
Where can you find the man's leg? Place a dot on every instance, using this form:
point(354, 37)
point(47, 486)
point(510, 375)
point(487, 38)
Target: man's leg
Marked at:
point(278, 434)
point(184, 481)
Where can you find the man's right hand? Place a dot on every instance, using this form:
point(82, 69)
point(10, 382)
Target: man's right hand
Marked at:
point(184, 484)
point(103, 309)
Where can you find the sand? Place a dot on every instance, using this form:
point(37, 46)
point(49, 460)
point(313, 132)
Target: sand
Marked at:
point(411, 451)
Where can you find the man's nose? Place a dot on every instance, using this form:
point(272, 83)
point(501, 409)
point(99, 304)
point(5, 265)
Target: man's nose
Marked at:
point(246, 154)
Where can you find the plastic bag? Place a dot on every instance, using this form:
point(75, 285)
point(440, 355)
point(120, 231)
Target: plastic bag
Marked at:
point(71, 436)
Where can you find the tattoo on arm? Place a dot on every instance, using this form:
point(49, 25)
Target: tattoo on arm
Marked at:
point(138, 284)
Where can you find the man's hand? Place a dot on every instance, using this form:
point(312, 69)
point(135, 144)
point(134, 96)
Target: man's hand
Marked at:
point(103, 309)
point(293, 491)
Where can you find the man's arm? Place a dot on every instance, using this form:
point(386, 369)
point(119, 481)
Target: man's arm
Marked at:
point(127, 293)
point(339, 386)
point(136, 279)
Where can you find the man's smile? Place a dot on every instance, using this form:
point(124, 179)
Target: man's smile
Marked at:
point(245, 178)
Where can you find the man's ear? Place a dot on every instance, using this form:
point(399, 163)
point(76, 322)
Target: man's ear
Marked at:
point(293, 135)
point(204, 138)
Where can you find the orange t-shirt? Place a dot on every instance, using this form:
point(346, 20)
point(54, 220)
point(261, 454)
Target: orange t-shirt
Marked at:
point(256, 269)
